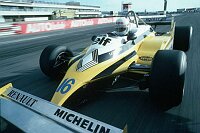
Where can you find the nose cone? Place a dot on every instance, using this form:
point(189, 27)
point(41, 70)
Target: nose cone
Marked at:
point(66, 88)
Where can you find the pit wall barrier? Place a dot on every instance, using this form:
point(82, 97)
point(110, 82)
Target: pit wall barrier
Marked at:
point(35, 27)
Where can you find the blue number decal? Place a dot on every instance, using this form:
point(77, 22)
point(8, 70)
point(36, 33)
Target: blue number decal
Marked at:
point(65, 86)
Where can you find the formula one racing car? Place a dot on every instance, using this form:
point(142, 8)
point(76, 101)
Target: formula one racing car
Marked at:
point(157, 60)
point(134, 47)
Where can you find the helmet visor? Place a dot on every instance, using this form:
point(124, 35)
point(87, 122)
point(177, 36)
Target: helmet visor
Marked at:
point(120, 29)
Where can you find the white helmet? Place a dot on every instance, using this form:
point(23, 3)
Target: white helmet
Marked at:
point(122, 26)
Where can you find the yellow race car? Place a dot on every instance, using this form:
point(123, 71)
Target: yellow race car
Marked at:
point(159, 59)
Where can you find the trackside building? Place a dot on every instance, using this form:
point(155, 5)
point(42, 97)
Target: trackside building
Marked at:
point(32, 10)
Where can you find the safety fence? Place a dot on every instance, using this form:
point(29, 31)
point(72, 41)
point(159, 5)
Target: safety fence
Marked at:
point(35, 27)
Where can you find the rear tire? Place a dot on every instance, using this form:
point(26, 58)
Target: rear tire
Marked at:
point(167, 78)
point(182, 38)
point(54, 60)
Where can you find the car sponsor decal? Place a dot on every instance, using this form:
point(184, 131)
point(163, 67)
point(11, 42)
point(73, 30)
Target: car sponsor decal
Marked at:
point(81, 122)
point(146, 58)
point(80, 23)
point(102, 40)
point(68, 119)
point(155, 19)
point(24, 99)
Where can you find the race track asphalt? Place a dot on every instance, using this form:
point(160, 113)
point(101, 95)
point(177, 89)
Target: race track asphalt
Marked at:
point(19, 64)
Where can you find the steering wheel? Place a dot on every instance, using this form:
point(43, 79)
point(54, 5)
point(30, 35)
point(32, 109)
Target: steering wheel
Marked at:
point(132, 13)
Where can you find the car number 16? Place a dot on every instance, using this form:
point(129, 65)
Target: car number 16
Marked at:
point(65, 86)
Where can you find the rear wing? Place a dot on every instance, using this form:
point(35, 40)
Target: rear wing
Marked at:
point(159, 23)
point(156, 20)
point(33, 114)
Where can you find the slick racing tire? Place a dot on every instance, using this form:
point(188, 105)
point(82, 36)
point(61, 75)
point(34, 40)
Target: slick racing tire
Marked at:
point(167, 78)
point(182, 38)
point(54, 60)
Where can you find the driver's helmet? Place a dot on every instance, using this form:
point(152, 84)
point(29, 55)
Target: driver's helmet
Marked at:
point(122, 26)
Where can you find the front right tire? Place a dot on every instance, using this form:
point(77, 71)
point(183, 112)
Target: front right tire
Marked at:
point(167, 78)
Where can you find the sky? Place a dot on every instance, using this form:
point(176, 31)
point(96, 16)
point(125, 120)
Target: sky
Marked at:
point(141, 5)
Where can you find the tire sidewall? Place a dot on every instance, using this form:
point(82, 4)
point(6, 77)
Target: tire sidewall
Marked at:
point(182, 38)
point(48, 60)
point(167, 77)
